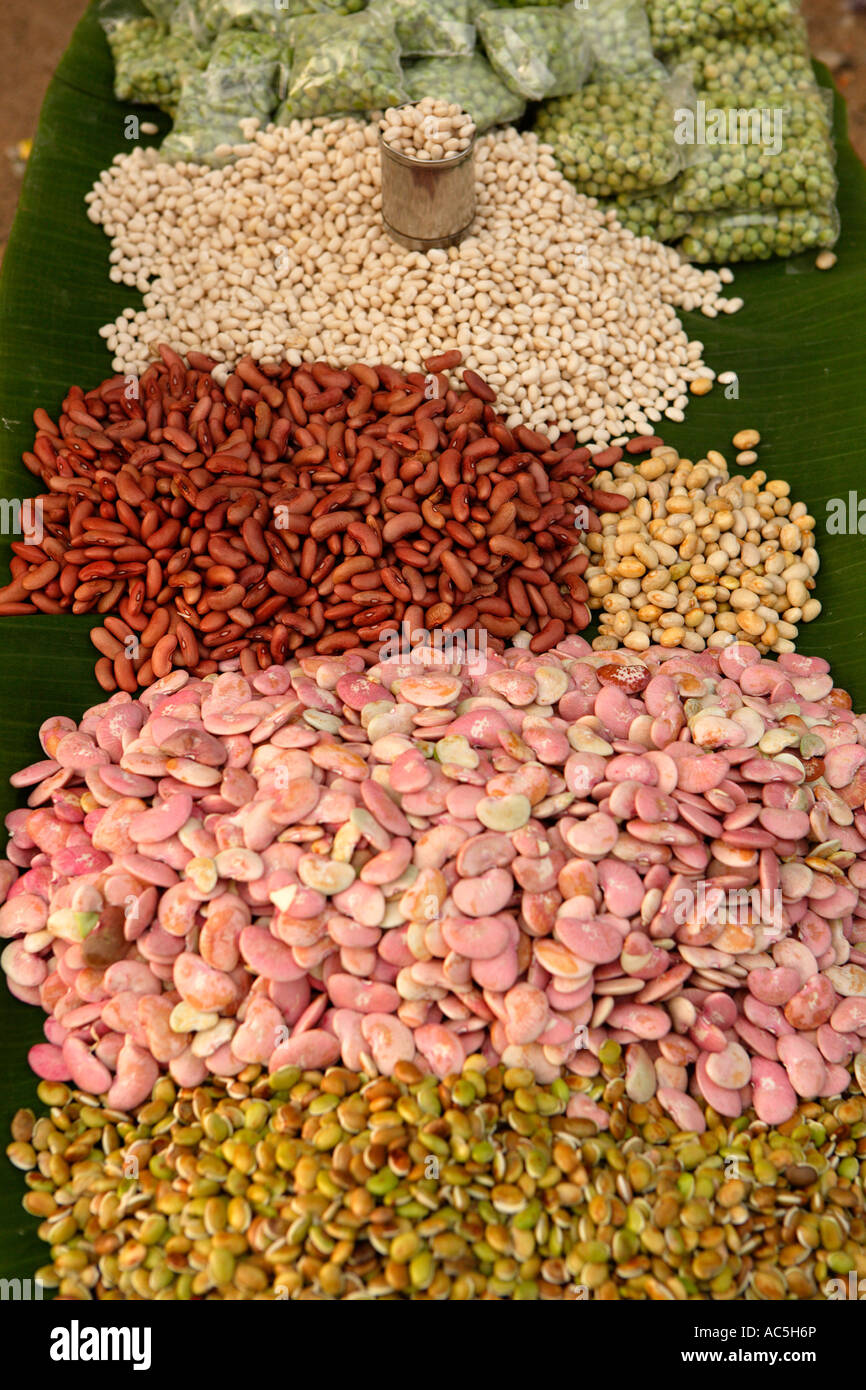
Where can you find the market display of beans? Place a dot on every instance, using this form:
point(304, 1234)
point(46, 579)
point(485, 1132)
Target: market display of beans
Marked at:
point(452, 883)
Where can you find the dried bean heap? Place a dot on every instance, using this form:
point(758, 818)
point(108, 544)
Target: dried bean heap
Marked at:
point(429, 129)
point(329, 1186)
point(699, 558)
point(531, 859)
point(284, 255)
point(296, 508)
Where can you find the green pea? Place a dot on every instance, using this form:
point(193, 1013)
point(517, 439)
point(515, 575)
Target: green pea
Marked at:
point(208, 18)
point(240, 81)
point(748, 65)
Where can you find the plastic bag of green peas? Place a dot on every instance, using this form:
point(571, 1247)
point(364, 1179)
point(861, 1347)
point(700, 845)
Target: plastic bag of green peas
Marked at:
point(467, 82)
point(757, 236)
point(677, 22)
point(539, 51)
point(200, 128)
point(343, 64)
point(618, 31)
point(431, 28)
point(748, 159)
point(150, 62)
point(772, 60)
point(616, 137)
point(240, 81)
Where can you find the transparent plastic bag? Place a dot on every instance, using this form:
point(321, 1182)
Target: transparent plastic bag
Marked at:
point(757, 236)
point(468, 82)
point(780, 154)
point(616, 137)
point(652, 214)
point(772, 60)
point(244, 67)
point(239, 82)
point(207, 18)
point(199, 127)
point(674, 23)
point(150, 62)
point(246, 57)
point(539, 51)
point(431, 28)
point(618, 31)
point(344, 64)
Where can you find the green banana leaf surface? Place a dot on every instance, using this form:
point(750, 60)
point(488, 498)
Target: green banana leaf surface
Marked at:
point(797, 348)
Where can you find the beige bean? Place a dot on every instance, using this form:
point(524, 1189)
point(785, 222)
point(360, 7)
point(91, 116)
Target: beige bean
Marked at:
point(798, 594)
point(751, 624)
point(746, 439)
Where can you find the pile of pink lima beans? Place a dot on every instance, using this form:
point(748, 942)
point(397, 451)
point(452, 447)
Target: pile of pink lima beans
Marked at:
point(526, 856)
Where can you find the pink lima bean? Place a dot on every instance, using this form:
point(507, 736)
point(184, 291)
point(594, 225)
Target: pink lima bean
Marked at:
point(348, 859)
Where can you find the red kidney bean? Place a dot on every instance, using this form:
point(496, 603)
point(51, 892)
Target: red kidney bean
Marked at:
point(156, 628)
point(551, 634)
point(124, 674)
point(40, 576)
point(400, 526)
point(162, 654)
point(479, 388)
point(104, 673)
point(444, 361)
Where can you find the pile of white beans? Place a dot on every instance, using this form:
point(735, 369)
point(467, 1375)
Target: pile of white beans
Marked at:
point(283, 254)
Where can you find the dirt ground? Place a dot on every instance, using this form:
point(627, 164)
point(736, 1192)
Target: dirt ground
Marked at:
point(37, 31)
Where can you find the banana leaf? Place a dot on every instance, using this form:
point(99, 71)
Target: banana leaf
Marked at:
point(797, 347)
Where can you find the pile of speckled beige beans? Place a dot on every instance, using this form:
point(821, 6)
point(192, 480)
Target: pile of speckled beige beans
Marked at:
point(698, 558)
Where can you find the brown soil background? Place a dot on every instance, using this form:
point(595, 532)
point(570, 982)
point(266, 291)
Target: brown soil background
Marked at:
point(35, 35)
